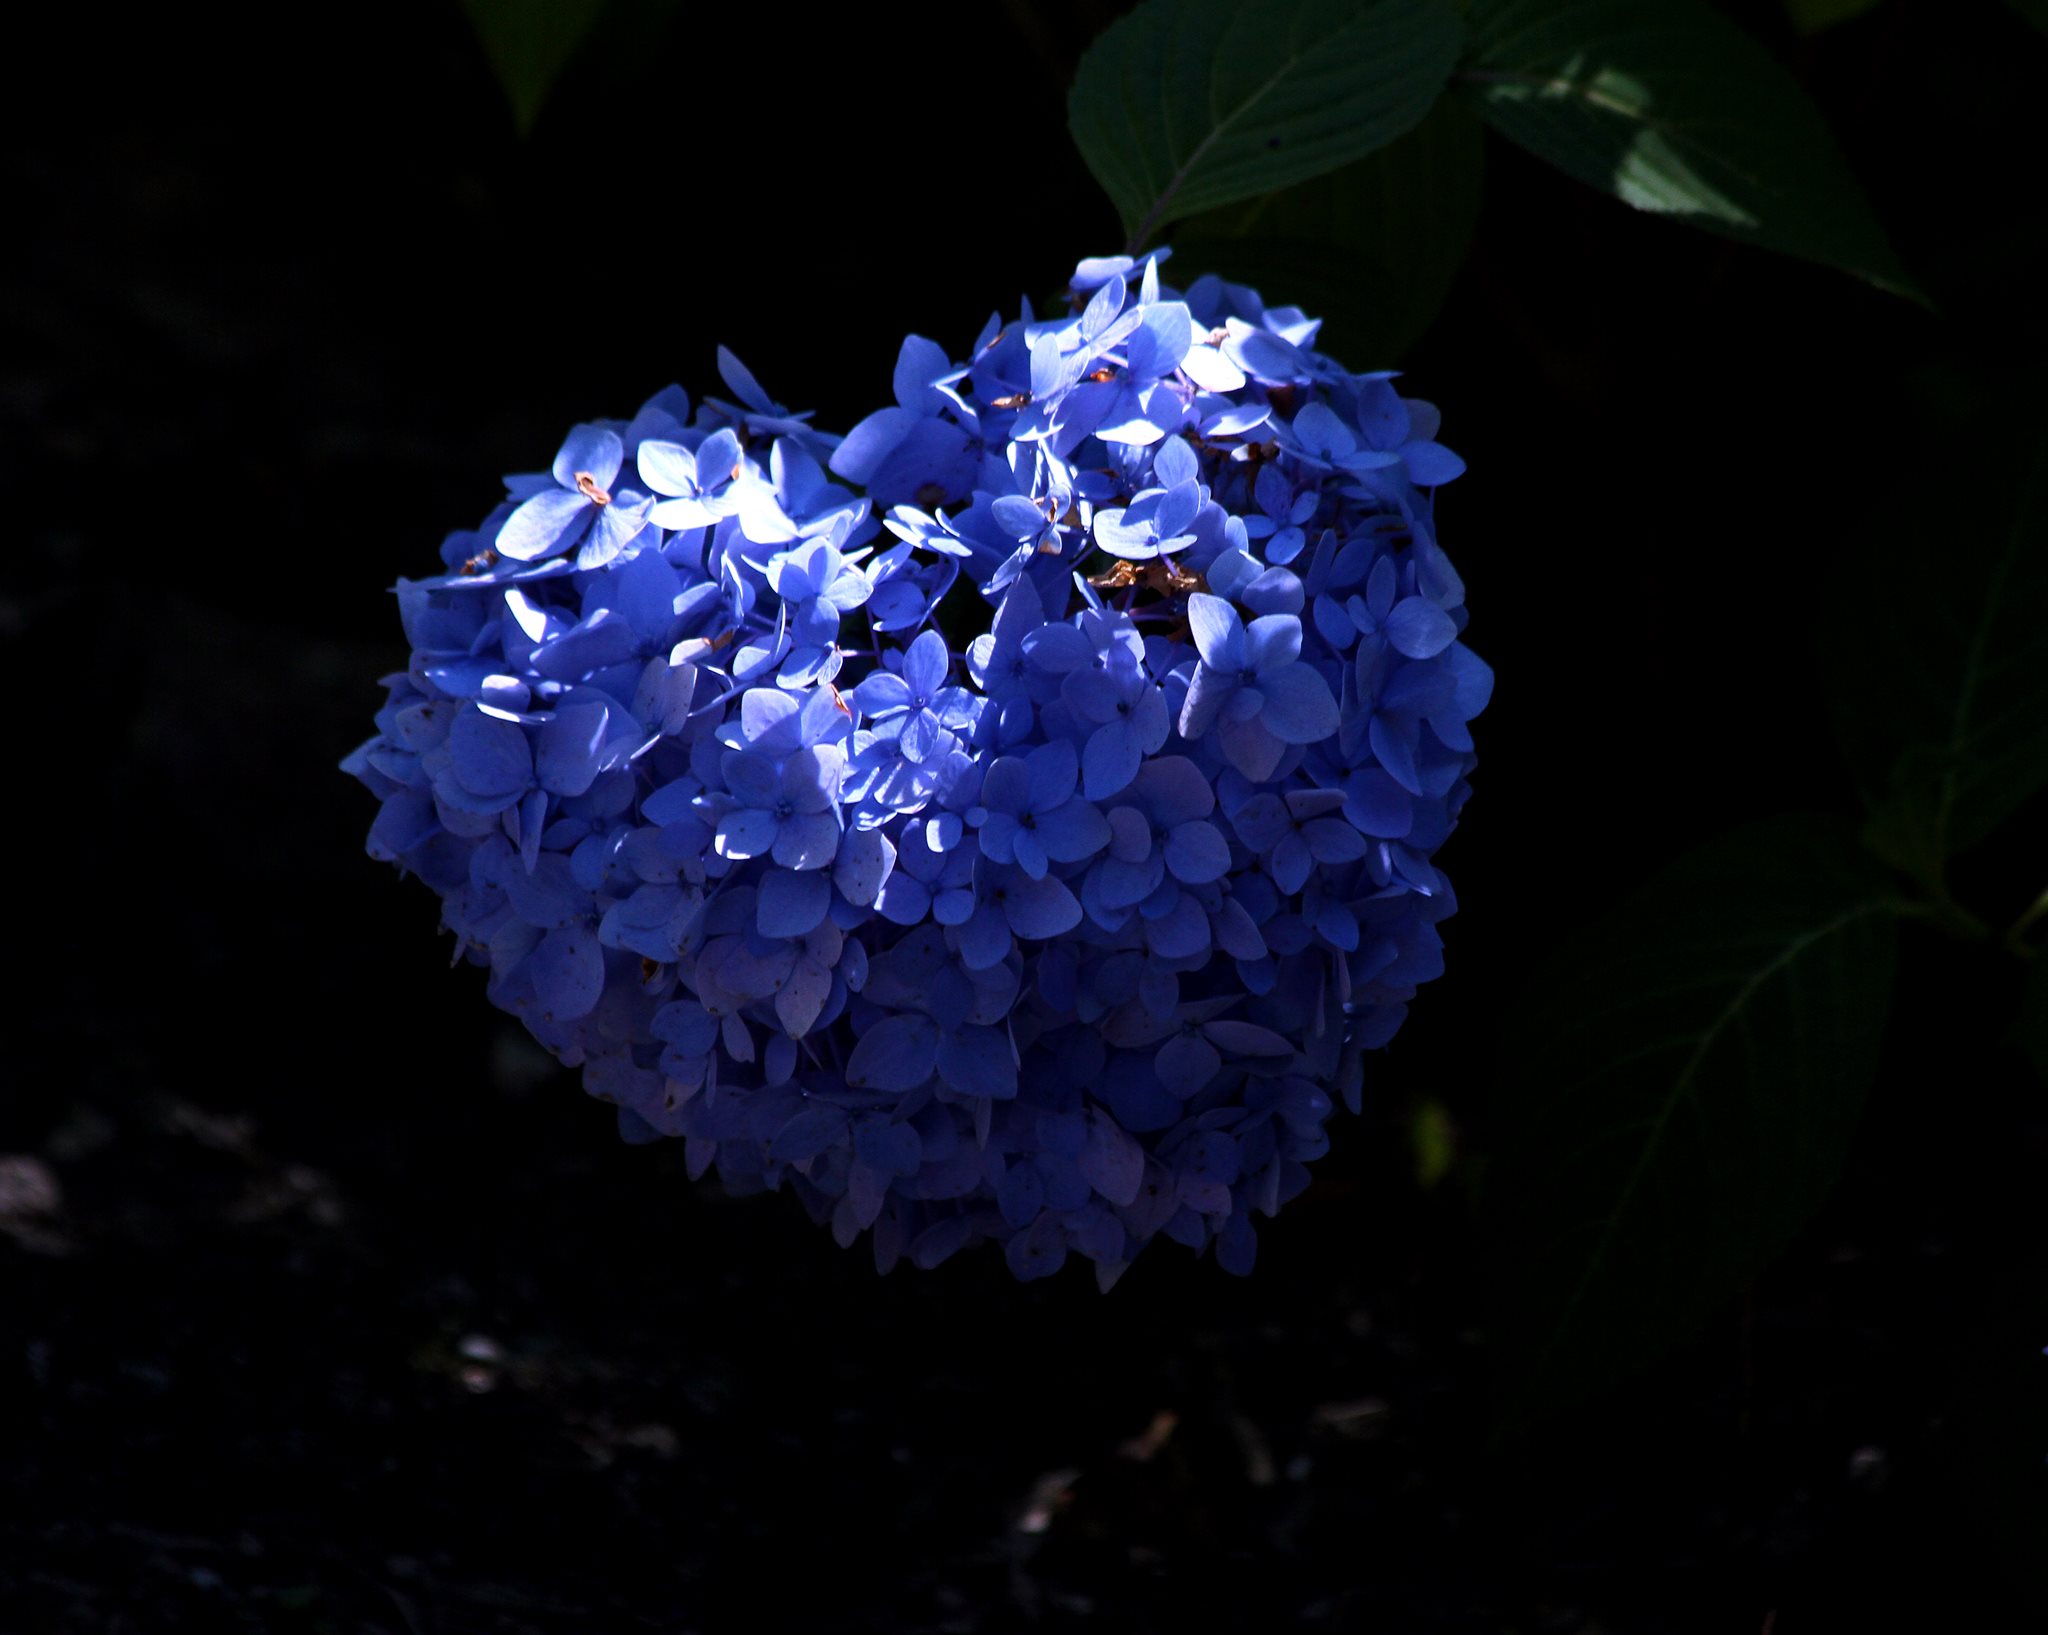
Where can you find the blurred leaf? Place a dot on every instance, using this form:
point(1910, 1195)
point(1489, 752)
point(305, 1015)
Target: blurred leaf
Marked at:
point(1186, 105)
point(1812, 16)
point(2030, 1028)
point(2034, 11)
point(1992, 1437)
point(1435, 1140)
point(1680, 1087)
point(1937, 651)
point(1371, 249)
point(1672, 108)
point(529, 43)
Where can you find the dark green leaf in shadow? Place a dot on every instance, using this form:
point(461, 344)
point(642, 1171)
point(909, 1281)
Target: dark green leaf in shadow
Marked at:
point(1672, 108)
point(1433, 1135)
point(1937, 649)
point(2029, 1034)
point(1186, 105)
point(1990, 1439)
point(529, 43)
point(1812, 16)
point(1371, 249)
point(2034, 11)
point(1677, 1095)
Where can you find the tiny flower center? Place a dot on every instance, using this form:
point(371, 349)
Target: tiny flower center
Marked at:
point(586, 485)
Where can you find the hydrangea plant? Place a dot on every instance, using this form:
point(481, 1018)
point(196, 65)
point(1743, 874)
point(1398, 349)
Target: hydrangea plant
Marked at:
point(1011, 821)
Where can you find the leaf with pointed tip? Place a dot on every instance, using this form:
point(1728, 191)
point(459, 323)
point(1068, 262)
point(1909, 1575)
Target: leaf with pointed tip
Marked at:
point(1185, 105)
point(1679, 1090)
point(529, 43)
point(1371, 249)
point(1672, 108)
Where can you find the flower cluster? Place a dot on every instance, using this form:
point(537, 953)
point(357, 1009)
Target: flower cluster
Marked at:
point(1059, 925)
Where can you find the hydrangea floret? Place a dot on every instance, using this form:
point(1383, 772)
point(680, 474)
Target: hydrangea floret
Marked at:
point(1013, 821)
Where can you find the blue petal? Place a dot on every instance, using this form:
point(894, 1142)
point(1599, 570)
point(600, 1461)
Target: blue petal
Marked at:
point(567, 972)
point(1218, 633)
point(882, 693)
point(1074, 832)
point(1040, 908)
point(1021, 1195)
point(1111, 759)
point(592, 451)
point(984, 938)
point(1272, 642)
point(570, 742)
point(978, 1062)
point(489, 757)
point(1431, 463)
point(809, 840)
point(1299, 706)
point(1261, 822)
point(1208, 692)
point(1174, 790)
point(746, 833)
point(808, 1134)
point(1246, 1038)
point(1054, 770)
point(791, 905)
point(1420, 629)
point(1237, 1247)
point(895, 1054)
point(801, 998)
point(543, 525)
point(1113, 1163)
point(1186, 1063)
point(1393, 745)
point(1333, 841)
point(1197, 853)
point(1040, 1252)
point(862, 868)
point(924, 666)
point(889, 1146)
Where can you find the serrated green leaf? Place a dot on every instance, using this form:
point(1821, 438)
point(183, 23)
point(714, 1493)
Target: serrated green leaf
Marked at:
point(1371, 249)
point(1673, 109)
point(1187, 105)
point(529, 43)
point(1678, 1092)
point(1937, 650)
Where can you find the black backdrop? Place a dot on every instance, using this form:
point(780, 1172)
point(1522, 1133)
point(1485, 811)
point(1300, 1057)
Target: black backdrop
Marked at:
point(353, 1313)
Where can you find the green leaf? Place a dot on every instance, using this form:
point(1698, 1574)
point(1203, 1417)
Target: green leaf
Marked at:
point(1673, 109)
point(1993, 1431)
point(1812, 16)
point(1186, 105)
point(529, 43)
point(2029, 1034)
point(2034, 11)
point(1937, 649)
point(1371, 249)
point(1679, 1089)
point(1433, 1136)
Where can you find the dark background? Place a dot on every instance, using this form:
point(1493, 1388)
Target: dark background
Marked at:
point(328, 1304)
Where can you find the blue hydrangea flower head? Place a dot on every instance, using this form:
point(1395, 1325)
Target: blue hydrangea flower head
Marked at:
point(1066, 930)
